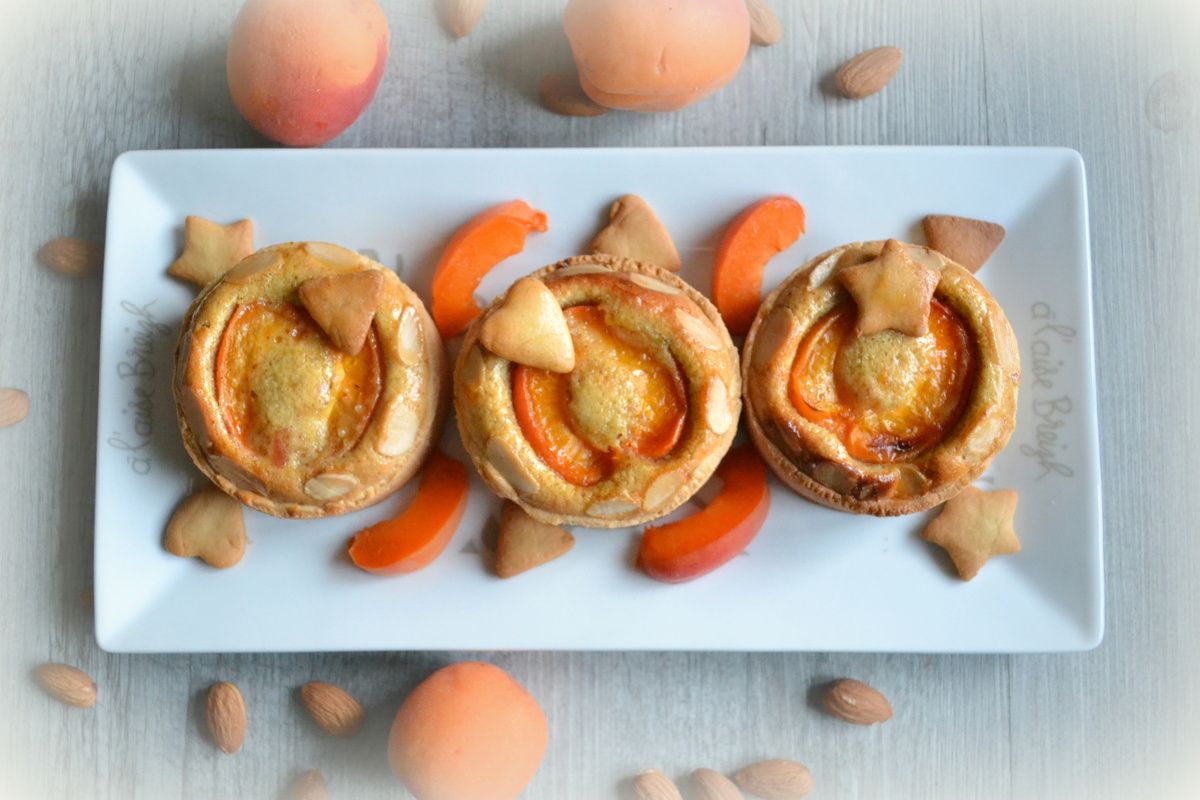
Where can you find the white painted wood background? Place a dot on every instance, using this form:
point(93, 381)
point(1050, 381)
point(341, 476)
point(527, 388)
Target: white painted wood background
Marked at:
point(81, 81)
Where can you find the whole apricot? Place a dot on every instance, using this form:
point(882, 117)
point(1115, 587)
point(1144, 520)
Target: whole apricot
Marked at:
point(656, 55)
point(301, 71)
point(468, 731)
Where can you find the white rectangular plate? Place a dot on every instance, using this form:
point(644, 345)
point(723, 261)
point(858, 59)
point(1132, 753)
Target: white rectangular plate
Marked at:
point(814, 579)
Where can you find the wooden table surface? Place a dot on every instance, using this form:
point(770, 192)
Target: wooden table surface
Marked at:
point(81, 82)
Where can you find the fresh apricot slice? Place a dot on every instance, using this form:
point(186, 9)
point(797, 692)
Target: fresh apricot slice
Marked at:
point(696, 545)
point(419, 534)
point(763, 230)
point(621, 398)
point(475, 248)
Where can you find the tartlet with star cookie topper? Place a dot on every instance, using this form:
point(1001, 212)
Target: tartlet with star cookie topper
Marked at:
point(880, 378)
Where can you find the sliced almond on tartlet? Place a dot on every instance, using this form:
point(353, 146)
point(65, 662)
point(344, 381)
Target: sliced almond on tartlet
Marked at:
point(579, 269)
point(973, 526)
point(211, 249)
point(662, 488)
point(699, 329)
point(399, 430)
point(717, 412)
point(524, 543)
point(634, 231)
point(344, 306)
point(408, 337)
point(612, 508)
point(529, 328)
point(779, 326)
point(653, 284)
point(970, 242)
point(334, 255)
point(251, 265)
point(472, 369)
point(208, 525)
point(892, 292)
point(329, 486)
point(509, 467)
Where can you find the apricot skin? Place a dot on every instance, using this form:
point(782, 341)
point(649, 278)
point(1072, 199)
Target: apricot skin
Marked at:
point(656, 55)
point(301, 71)
point(468, 731)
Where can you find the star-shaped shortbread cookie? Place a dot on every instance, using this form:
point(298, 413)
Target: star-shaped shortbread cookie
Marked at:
point(892, 292)
point(974, 526)
point(211, 249)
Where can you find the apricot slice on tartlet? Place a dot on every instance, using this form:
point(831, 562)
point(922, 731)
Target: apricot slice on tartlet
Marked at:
point(832, 385)
point(581, 446)
point(305, 422)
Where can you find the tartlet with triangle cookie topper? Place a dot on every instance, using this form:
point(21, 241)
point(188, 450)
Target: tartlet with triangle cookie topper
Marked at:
point(597, 391)
point(309, 381)
point(881, 378)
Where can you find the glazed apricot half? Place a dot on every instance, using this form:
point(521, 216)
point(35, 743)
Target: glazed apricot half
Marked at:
point(620, 398)
point(886, 398)
point(630, 417)
point(285, 393)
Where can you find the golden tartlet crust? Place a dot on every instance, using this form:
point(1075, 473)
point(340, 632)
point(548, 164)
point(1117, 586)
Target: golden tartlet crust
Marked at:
point(398, 431)
point(660, 306)
point(811, 459)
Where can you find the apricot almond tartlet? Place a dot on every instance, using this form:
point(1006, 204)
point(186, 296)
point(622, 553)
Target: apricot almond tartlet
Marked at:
point(597, 391)
point(881, 378)
point(309, 381)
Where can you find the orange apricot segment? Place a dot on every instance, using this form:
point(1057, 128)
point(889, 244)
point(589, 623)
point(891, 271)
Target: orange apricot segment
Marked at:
point(605, 360)
point(475, 248)
point(540, 402)
point(885, 435)
point(696, 545)
point(419, 534)
point(655, 389)
point(763, 230)
point(337, 399)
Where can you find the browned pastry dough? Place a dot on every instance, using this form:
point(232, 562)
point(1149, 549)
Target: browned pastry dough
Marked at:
point(877, 374)
point(280, 418)
point(664, 315)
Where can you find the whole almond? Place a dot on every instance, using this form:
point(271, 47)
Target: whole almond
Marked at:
point(334, 711)
point(777, 779)
point(14, 406)
point(855, 701)
point(462, 15)
point(309, 786)
point(765, 29)
point(562, 94)
point(709, 784)
point(226, 713)
point(867, 73)
point(67, 684)
point(653, 785)
point(71, 255)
